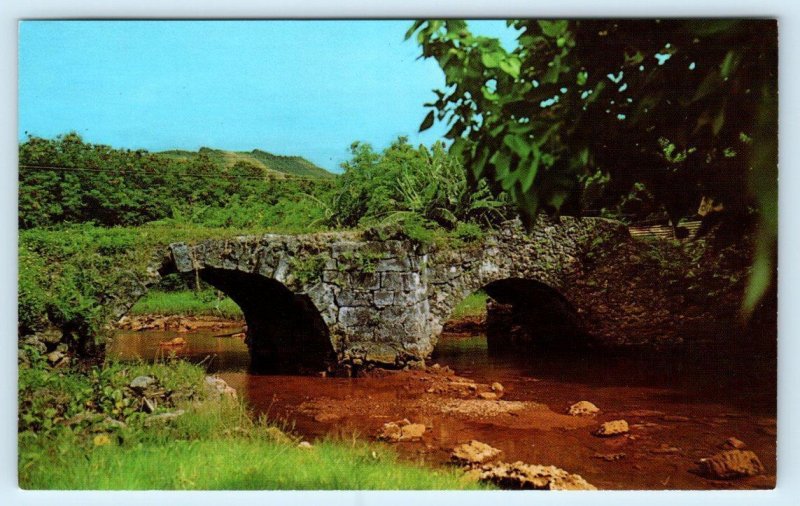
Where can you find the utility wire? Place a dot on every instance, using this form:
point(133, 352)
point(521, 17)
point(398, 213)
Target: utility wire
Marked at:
point(122, 172)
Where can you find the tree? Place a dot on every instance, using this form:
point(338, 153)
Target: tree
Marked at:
point(689, 108)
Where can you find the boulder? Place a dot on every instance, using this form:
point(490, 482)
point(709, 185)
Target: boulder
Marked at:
point(35, 342)
point(498, 388)
point(402, 430)
point(489, 396)
point(474, 452)
point(305, 445)
point(583, 408)
point(533, 477)
point(612, 428)
point(142, 383)
point(731, 464)
point(217, 388)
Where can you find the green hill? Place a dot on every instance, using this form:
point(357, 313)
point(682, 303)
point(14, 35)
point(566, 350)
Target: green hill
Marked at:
point(276, 165)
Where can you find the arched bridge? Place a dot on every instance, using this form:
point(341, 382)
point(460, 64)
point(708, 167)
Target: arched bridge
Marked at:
point(355, 298)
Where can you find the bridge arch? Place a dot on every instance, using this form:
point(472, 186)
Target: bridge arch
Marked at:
point(360, 298)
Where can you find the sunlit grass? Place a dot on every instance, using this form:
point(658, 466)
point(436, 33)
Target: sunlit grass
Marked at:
point(214, 445)
point(473, 306)
point(186, 303)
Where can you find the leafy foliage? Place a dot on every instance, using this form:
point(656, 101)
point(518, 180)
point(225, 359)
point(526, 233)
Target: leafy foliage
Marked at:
point(66, 180)
point(669, 104)
point(408, 184)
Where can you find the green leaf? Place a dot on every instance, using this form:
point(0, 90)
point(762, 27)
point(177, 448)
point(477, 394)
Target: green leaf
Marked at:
point(581, 78)
point(729, 64)
point(492, 59)
point(710, 84)
point(489, 95)
point(502, 163)
point(518, 145)
point(531, 168)
point(427, 122)
point(511, 66)
point(719, 120)
point(553, 28)
point(413, 28)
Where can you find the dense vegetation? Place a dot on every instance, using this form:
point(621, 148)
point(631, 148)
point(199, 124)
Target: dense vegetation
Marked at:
point(668, 104)
point(276, 166)
point(86, 430)
point(85, 232)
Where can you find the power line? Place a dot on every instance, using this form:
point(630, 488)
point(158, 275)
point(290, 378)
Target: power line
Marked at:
point(121, 172)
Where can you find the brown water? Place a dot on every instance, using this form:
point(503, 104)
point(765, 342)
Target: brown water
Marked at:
point(688, 403)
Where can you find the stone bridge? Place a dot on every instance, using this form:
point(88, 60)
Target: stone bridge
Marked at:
point(350, 299)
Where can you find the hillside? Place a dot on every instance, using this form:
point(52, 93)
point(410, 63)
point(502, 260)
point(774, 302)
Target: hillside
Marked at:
point(276, 165)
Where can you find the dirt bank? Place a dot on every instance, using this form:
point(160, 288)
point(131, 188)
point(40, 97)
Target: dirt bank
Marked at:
point(176, 323)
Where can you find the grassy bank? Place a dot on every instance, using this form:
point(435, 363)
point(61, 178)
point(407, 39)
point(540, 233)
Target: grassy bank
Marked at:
point(187, 303)
point(67, 440)
point(474, 306)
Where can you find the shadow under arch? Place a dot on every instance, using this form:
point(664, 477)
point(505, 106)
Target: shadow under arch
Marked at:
point(523, 315)
point(285, 332)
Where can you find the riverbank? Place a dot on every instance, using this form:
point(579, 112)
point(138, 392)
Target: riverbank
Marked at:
point(168, 426)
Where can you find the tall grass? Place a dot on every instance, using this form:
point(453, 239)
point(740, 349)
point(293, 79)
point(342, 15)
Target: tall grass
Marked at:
point(214, 445)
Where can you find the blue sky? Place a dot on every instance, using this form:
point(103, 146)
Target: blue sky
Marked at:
point(307, 88)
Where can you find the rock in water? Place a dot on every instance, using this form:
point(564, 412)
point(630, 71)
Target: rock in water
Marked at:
point(497, 388)
point(612, 428)
point(533, 477)
point(733, 443)
point(731, 464)
point(583, 408)
point(474, 452)
point(402, 430)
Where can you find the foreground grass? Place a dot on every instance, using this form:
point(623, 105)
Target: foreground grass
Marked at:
point(187, 303)
point(239, 463)
point(214, 445)
point(473, 306)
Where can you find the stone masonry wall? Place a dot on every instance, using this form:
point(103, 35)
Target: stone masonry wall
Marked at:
point(385, 302)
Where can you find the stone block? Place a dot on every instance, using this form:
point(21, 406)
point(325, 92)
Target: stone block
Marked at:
point(348, 297)
point(399, 264)
point(356, 317)
point(383, 298)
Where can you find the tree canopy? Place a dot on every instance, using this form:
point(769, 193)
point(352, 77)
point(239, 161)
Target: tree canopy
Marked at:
point(686, 107)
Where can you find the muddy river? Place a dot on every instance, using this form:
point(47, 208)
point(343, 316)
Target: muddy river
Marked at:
point(680, 406)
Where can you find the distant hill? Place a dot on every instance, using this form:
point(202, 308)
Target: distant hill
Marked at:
point(277, 165)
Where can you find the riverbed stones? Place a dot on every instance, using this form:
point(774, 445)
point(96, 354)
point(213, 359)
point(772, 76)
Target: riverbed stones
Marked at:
point(583, 408)
point(612, 428)
point(523, 476)
point(731, 464)
point(400, 431)
point(474, 452)
point(733, 443)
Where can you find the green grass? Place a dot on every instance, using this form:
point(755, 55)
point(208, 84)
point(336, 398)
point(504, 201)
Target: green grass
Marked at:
point(215, 445)
point(473, 306)
point(187, 303)
point(239, 464)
